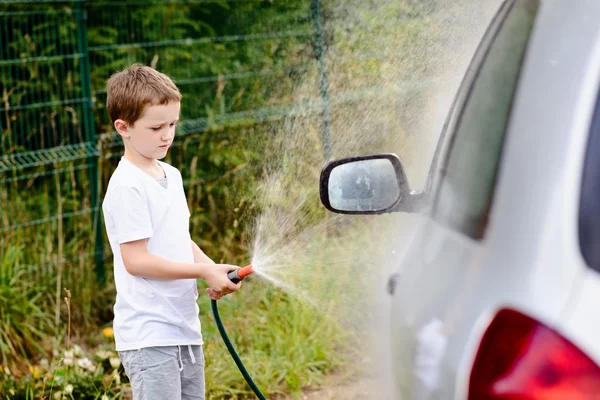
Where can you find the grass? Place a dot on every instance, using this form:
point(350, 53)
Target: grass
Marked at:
point(285, 345)
point(23, 321)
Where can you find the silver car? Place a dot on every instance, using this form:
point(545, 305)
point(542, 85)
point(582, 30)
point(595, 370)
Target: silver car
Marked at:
point(498, 293)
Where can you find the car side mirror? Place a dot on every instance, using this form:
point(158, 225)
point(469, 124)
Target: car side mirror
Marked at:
point(372, 184)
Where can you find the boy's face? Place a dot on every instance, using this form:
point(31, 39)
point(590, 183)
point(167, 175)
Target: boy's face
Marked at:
point(152, 134)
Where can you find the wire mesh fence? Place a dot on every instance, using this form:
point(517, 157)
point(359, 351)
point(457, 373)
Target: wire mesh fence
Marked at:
point(238, 64)
point(234, 61)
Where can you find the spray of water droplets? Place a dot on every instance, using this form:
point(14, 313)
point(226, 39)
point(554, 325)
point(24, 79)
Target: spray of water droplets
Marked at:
point(393, 68)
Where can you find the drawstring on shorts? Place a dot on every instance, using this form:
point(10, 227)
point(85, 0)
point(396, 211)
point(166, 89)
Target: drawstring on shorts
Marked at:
point(192, 357)
point(180, 360)
point(191, 354)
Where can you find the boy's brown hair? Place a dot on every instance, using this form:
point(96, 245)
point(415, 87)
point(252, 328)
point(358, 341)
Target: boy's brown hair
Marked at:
point(129, 91)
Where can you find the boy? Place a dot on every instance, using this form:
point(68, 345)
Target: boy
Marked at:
point(156, 263)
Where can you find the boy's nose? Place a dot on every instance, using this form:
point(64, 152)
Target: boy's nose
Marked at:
point(168, 134)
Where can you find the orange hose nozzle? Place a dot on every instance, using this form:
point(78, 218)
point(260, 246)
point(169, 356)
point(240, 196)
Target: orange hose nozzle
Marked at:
point(245, 271)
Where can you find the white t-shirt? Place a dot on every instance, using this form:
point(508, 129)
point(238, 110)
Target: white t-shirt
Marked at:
point(150, 312)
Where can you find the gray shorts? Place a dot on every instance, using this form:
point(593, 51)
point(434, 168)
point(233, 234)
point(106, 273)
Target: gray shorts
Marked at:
point(169, 372)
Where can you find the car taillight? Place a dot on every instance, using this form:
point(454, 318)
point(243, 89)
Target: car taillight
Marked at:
point(522, 359)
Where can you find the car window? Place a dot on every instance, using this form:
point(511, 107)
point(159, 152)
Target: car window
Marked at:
point(468, 173)
point(589, 206)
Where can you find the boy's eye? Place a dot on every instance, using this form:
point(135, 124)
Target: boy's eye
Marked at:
point(155, 129)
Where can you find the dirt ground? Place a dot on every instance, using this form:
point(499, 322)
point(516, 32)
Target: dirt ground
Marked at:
point(357, 390)
point(347, 387)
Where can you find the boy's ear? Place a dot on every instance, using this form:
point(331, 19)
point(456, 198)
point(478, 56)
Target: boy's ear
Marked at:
point(122, 128)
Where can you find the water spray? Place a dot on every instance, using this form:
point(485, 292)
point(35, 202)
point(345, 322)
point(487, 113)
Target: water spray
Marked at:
point(236, 276)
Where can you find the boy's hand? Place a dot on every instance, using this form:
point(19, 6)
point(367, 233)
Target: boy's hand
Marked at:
point(215, 295)
point(220, 284)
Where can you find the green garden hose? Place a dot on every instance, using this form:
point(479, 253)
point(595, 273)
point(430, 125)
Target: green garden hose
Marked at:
point(234, 355)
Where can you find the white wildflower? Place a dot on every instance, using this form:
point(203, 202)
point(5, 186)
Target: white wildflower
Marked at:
point(69, 389)
point(85, 363)
point(77, 350)
point(69, 354)
point(103, 354)
point(68, 361)
point(104, 397)
point(115, 362)
point(57, 395)
point(44, 363)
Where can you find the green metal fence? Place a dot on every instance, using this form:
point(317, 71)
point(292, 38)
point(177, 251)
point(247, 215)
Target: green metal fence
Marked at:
point(49, 192)
point(57, 147)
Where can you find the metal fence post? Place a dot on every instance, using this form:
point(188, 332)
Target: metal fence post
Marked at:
point(320, 54)
point(90, 137)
